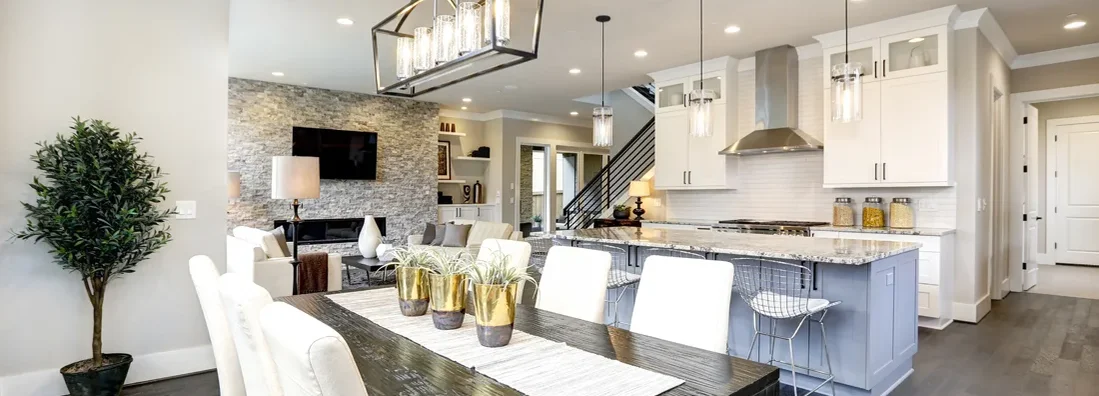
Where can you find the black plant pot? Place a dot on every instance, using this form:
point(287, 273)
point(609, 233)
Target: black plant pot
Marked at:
point(102, 381)
point(621, 214)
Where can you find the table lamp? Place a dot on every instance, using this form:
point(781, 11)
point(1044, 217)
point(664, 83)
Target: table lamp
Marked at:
point(639, 189)
point(295, 178)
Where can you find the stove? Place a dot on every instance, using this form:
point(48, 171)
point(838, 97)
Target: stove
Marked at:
point(771, 227)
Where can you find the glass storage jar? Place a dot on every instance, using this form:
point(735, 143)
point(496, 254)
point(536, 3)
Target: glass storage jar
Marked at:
point(843, 213)
point(873, 213)
point(901, 214)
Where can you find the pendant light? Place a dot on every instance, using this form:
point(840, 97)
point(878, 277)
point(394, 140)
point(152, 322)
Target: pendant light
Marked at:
point(444, 37)
point(701, 99)
point(846, 82)
point(469, 26)
point(603, 116)
point(498, 14)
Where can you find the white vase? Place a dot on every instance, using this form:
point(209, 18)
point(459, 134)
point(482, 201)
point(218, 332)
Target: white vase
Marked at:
point(385, 252)
point(369, 238)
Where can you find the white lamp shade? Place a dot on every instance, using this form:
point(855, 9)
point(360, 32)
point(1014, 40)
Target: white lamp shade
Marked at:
point(234, 184)
point(639, 189)
point(295, 177)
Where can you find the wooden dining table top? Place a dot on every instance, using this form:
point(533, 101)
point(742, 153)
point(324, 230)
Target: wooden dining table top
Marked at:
point(391, 364)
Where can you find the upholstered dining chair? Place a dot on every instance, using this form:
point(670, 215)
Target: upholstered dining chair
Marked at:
point(205, 277)
point(685, 300)
point(518, 253)
point(574, 282)
point(311, 358)
point(243, 301)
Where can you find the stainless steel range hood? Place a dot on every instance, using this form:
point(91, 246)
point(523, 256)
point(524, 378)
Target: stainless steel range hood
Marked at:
point(776, 107)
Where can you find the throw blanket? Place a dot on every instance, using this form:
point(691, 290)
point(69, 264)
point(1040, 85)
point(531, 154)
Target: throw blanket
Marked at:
point(313, 272)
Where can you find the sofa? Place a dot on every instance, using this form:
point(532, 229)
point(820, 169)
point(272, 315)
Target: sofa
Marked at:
point(257, 255)
point(478, 233)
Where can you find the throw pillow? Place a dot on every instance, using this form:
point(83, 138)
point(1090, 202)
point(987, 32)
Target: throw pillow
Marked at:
point(456, 235)
point(429, 234)
point(280, 237)
point(261, 238)
point(440, 232)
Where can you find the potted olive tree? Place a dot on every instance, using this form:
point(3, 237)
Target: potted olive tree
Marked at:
point(96, 206)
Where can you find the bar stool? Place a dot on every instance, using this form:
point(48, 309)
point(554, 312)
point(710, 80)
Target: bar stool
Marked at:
point(776, 290)
point(645, 253)
point(619, 279)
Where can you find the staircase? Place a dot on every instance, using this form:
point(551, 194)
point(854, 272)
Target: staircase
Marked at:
point(613, 181)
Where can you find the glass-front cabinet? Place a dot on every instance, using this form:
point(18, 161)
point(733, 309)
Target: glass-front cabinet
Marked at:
point(864, 52)
point(914, 53)
point(671, 95)
point(711, 81)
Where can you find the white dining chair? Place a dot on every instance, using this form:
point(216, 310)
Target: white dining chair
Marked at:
point(685, 300)
point(311, 358)
point(574, 283)
point(243, 301)
point(205, 277)
point(518, 253)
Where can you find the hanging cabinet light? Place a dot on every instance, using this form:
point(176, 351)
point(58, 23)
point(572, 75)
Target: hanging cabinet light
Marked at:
point(475, 40)
point(603, 116)
point(701, 100)
point(846, 83)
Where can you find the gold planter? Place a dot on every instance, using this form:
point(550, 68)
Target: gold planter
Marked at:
point(448, 300)
point(412, 293)
point(495, 313)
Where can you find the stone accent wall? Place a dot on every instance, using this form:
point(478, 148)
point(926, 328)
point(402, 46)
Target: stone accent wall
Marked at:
point(261, 118)
point(526, 183)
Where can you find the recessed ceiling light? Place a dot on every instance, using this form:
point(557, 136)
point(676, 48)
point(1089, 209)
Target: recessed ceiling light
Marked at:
point(916, 40)
point(640, 53)
point(535, 119)
point(574, 113)
point(465, 108)
point(467, 100)
point(277, 74)
point(1074, 22)
point(574, 71)
point(345, 21)
point(511, 86)
point(732, 29)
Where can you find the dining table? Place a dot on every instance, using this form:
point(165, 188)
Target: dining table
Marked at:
point(391, 364)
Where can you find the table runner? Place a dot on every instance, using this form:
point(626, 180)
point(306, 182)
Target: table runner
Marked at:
point(530, 364)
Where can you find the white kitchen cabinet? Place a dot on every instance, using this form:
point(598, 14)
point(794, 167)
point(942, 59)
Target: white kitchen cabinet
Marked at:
point(684, 162)
point(864, 52)
point(914, 53)
point(852, 151)
point(915, 130)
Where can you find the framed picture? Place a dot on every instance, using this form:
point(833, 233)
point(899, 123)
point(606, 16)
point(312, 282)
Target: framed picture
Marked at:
point(443, 161)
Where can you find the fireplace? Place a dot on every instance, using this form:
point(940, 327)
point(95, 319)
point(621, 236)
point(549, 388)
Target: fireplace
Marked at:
point(324, 231)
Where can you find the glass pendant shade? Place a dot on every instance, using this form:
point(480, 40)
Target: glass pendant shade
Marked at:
point(701, 112)
point(444, 39)
point(423, 59)
point(847, 92)
point(501, 11)
point(406, 53)
point(603, 127)
point(469, 27)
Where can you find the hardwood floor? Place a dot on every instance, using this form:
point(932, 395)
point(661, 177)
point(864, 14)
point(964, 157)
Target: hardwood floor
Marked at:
point(1029, 345)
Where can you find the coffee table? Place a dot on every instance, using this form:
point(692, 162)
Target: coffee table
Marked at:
point(370, 265)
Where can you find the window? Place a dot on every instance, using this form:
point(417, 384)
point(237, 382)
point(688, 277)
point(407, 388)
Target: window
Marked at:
point(539, 169)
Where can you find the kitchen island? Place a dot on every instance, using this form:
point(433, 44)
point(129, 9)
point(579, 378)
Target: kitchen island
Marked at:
point(871, 335)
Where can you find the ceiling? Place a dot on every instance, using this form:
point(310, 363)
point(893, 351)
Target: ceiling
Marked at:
point(301, 39)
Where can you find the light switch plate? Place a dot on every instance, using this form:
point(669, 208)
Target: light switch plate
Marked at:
point(186, 209)
point(656, 202)
point(888, 279)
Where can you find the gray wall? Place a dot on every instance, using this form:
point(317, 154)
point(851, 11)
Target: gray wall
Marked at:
point(1057, 75)
point(261, 117)
point(510, 131)
point(629, 117)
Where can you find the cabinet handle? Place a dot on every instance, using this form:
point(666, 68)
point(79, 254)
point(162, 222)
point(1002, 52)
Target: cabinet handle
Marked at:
point(875, 69)
point(884, 66)
point(875, 171)
point(689, 177)
point(478, 212)
point(684, 177)
point(883, 171)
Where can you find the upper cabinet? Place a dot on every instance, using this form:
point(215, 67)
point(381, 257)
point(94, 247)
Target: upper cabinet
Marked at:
point(905, 137)
point(684, 162)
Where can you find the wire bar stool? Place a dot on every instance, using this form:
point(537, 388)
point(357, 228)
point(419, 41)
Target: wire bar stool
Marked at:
point(780, 291)
point(644, 253)
point(619, 279)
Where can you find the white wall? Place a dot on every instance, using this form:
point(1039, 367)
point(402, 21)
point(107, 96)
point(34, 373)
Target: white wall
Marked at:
point(157, 68)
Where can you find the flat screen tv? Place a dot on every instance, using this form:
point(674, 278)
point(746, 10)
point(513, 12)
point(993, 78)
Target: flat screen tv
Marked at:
point(348, 155)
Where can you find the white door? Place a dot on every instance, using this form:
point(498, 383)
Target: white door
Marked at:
point(1030, 203)
point(915, 138)
point(706, 168)
point(671, 149)
point(1077, 181)
point(851, 150)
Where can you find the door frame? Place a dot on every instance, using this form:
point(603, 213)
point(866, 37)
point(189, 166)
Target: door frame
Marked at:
point(551, 146)
point(1018, 183)
point(1054, 221)
point(997, 206)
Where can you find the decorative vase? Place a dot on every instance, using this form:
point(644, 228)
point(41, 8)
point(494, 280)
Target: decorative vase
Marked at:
point(369, 238)
point(412, 291)
point(621, 214)
point(100, 381)
point(494, 307)
point(448, 300)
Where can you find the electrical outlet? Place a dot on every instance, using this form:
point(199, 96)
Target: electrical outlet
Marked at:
point(928, 205)
point(656, 202)
point(186, 209)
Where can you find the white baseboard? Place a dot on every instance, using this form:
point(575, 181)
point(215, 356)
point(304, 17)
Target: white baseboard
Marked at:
point(934, 323)
point(144, 368)
point(1005, 288)
point(972, 313)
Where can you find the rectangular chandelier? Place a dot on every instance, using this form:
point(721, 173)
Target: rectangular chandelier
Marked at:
point(432, 44)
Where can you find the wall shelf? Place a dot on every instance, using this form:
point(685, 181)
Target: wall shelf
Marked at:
point(458, 134)
point(465, 158)
point(452, 182)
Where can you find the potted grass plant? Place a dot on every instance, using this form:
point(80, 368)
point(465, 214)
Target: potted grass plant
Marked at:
point(97, 206)
point(495, 285)
point(448, 278)
point(411, 265)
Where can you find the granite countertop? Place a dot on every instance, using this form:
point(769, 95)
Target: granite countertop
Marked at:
point(896, 231)
point(822, 250)
point(692, 222)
